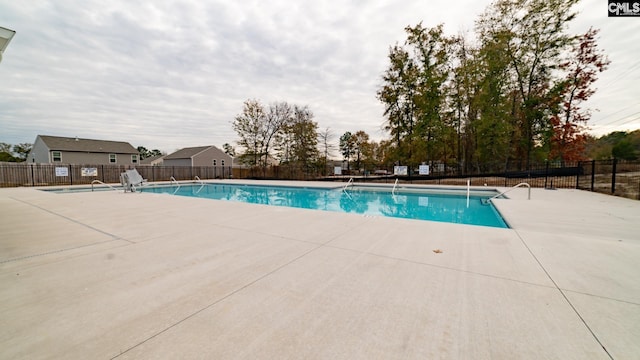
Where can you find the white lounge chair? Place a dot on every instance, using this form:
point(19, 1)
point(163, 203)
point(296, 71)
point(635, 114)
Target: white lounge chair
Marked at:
point(124, 181)
point(131, 179)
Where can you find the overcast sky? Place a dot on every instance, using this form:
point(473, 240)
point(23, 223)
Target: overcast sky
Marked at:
point(173, 74)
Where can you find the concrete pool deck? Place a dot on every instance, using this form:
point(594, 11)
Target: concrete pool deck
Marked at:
point(107, 275)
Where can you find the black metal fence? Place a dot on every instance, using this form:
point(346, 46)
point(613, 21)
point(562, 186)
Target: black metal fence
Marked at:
point(617, 177)
point(26, 174)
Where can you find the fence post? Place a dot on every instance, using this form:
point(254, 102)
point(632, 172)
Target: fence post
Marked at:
point(546, 173)
point(70, 175)
point(593, 173)
point(578, 175)
point(613, 176)
point(33, 178)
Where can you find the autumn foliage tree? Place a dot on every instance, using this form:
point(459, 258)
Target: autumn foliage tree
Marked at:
point(508, 98)
point(569, 122)
point(532, 35)
point(299, 137)
point(414, 93)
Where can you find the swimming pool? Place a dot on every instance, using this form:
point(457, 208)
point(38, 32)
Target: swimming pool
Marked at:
point(444, 205)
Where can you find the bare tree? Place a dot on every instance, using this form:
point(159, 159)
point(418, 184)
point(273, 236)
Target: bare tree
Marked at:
point(276, 118)
point(259, 128)
point(327, 147)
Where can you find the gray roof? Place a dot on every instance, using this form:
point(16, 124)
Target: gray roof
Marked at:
point(149, 160)
point(87, 145)
point(187, 153)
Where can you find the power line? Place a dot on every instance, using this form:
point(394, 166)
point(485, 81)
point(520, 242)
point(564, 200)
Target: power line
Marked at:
point(613, 127)
point(631, 120)
point(623, 119)
point(619, 111)
point(623, 74)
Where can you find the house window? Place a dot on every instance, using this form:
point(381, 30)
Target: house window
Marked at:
point(215, 162)
point(134, 159)
point(112, 158)
point(222, 162)
point(56, 156)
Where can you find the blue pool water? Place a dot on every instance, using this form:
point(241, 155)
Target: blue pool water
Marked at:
point(406, 203)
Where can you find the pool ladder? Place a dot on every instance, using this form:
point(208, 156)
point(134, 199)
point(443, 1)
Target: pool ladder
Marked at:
point(197, 179)
point(173, 180)
point(344, 189)
point(100, 182)
point(506, 191)
point(350, 182)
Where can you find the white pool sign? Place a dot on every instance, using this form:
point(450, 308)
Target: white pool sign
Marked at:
point(62, 171)
point(400, 170)
point(89, 172)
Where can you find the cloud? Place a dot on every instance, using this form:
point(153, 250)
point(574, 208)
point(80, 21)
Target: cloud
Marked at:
point(173, 74)
point(615, 104)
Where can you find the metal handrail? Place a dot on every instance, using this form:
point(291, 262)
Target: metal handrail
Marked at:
point(173, 180)
point(202, 184)
point(100, 182)
point(517, 186)
point(348, 182)
point(393, 191)
point(468, 191)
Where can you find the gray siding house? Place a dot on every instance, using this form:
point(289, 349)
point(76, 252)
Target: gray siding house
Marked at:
point(64, 150)
point(199, 156)
point(153, 161)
